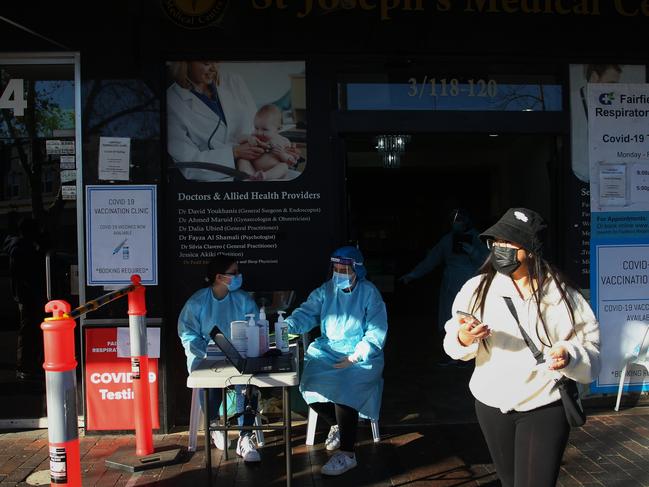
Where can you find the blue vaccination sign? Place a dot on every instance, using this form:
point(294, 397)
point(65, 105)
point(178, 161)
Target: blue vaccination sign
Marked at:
point(619, 283)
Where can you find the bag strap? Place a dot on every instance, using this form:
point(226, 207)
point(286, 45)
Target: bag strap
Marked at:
point(538, 355)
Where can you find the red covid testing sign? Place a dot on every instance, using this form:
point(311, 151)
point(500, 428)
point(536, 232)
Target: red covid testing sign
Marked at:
point(109, 384)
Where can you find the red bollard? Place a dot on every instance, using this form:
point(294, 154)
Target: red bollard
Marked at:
point(140, 369)
point(145, 457)
point(61, 383)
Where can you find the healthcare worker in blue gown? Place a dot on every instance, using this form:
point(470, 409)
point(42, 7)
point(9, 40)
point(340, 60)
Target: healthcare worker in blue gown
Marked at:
point(461, 253)
point(343, 368)
point(220, 303)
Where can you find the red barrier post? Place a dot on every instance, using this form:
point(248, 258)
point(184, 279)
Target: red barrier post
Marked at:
point(61, 383)
point(140, 368)
point(144, 454)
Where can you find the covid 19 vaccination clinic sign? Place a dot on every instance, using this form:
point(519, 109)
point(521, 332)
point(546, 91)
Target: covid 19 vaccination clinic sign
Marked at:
point(618, 139)
point(121, 234)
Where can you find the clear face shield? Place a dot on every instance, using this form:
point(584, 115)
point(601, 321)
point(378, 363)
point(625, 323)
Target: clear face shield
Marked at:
point(342, 272)
point(459, 221)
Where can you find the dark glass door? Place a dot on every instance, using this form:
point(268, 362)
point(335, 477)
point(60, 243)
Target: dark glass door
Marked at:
point(38, 223)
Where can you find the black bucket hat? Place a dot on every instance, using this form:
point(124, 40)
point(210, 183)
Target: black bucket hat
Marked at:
point(521, 226)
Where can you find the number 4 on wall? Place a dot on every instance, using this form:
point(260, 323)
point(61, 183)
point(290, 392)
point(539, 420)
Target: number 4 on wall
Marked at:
point(13, 97)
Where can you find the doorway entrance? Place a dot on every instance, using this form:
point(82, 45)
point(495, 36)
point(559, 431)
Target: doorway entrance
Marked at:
point(398, 214)
point(39, 157)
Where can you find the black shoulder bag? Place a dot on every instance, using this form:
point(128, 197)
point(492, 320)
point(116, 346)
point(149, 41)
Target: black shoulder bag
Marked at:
point(567, 387)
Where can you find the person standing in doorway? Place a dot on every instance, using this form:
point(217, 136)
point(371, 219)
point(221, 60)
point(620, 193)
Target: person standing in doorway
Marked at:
point(461, 253)
point(517, 401)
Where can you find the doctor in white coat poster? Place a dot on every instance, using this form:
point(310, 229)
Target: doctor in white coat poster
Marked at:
point(208, 113)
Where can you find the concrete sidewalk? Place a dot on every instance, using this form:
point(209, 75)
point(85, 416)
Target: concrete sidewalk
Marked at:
point(611, 450)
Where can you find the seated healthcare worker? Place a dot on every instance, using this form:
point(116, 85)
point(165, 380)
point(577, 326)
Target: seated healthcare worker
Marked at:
point(343, 367)
point(220, 303)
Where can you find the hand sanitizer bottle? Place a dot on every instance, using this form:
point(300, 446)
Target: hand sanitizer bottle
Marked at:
point(252, 336)
point(262, 323)
point(281, 333)
point(239, 336)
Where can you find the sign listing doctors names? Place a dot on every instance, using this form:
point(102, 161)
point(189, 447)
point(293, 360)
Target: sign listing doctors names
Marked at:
point(247, 225)
point(122, 234)
point(618, 132)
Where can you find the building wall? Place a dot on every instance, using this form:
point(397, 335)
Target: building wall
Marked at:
point(124, 45)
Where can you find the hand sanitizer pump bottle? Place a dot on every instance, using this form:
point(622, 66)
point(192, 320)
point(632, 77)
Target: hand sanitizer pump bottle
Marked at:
point(239, 336)
point(262, 323)
point(252, 336)
point(281, 333)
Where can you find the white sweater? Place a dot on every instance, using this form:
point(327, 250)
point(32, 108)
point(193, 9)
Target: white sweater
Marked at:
point(506, 375)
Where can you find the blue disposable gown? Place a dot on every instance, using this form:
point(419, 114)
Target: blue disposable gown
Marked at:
point(350, 323)
point(201, 312)
point(458, 268)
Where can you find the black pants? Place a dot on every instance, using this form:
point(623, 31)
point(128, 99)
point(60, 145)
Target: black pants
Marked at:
point(344, 416)
point(215, 397)
point(526, 447)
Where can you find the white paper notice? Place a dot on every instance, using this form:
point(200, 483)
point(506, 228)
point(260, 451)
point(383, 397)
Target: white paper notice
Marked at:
point(67, 162)
point(69, 192)
point(612, 184)
point(124, 342)
point(67, 147)
point(122, 234)
point(114, 158)
point(52, 147)
point(68, 175)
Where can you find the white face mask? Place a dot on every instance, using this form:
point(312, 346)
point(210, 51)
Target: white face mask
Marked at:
point(342, 281)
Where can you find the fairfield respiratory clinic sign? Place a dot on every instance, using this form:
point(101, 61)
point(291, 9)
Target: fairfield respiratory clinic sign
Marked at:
point(618, 133)
point(109, 384)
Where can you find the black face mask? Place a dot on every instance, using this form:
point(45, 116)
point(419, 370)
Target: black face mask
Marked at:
point(504, 259)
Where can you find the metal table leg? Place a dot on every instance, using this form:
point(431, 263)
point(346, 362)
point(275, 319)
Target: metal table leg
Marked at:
point(224, 405)
point(287, 434)
point(208, 442)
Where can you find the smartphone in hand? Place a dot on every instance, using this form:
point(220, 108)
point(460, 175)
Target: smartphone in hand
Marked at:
point(468, 315)
point(475, 327)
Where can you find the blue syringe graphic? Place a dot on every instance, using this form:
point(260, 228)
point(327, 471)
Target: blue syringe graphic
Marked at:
point(118, 248)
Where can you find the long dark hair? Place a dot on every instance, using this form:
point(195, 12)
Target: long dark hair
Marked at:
point(539, 270)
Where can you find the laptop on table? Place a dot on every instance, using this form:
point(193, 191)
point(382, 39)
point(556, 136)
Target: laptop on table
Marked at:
point(251, 365)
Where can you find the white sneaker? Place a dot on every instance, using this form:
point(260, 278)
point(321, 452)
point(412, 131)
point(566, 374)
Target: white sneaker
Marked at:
point(333, 438)
point(338, 464)
point(247, 450)
point(220, 440)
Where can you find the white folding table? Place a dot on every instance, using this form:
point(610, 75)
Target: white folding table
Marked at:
point(219, 374)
